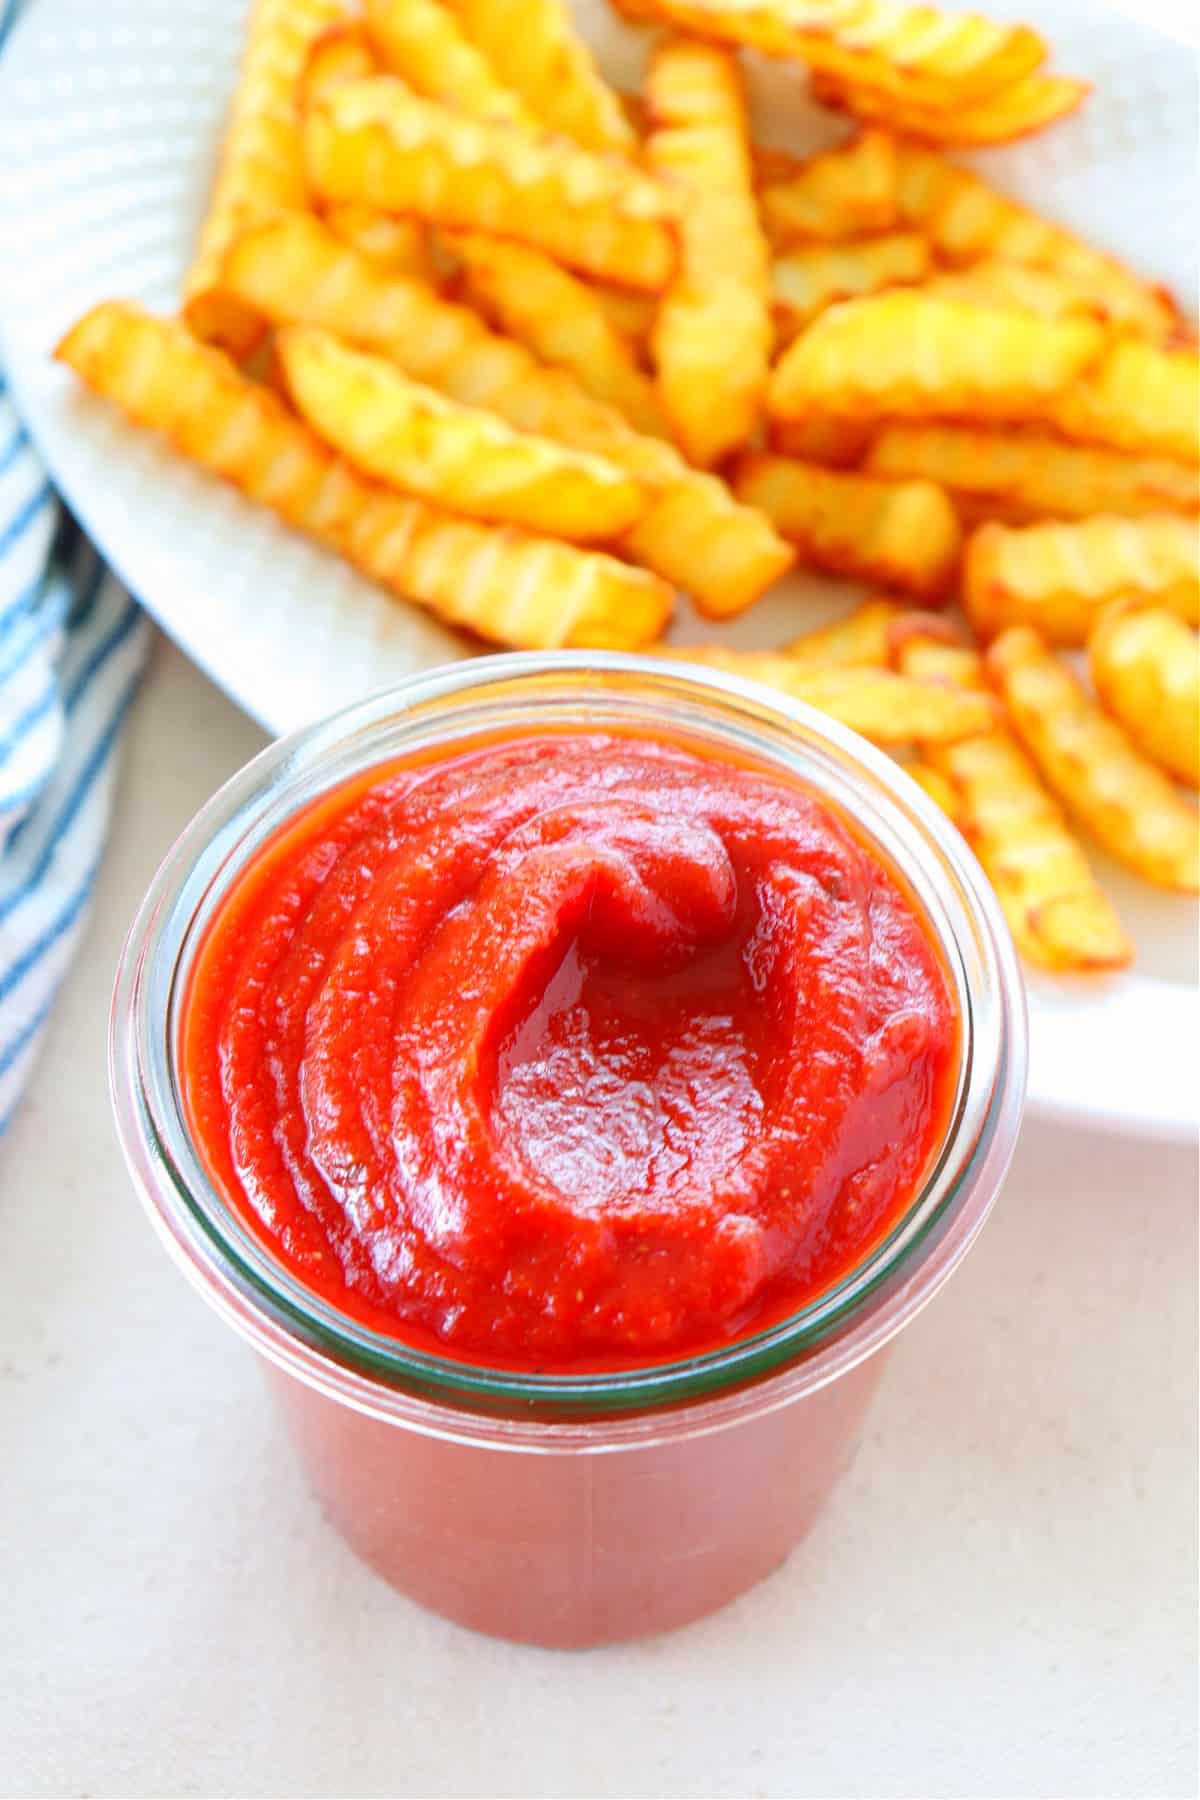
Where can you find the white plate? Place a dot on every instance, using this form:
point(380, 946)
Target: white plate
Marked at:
point(109, 123)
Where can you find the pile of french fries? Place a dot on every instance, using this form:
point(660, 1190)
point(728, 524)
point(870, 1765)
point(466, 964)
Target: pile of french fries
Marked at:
point(537, 355)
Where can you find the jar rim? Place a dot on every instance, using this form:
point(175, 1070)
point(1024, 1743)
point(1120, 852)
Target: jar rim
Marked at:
point(448, 708)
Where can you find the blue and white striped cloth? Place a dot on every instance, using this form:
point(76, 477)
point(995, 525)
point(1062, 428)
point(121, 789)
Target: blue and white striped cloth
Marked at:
point(72, 649)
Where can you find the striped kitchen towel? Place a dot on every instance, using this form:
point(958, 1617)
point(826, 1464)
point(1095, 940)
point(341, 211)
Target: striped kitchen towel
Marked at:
point(72, 649)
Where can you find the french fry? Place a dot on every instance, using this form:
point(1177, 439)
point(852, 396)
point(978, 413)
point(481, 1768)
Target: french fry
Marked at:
point(340, 55)
point(423, 42)
point(1060, 577)
point(397, 246)
point(966, 219)
point(526, 592)
point(694, 533)
point(261, 167)
point(809, 278)
point(862, 637)
point(1124, 800)
point(904, 534)
point(906, 354)
point(1060, 917)
point(629, 313)
point(374, 141)
point(1137, 398)
point(771, 164)
point(721, 552)
point(838, 443)
point(931, 58)
point(1026, 476)
point(1145, 665)
point(887, 708)
point(1016, 111)
point(1018, 287)
point(940, 788)
point(712, 337)
point(842, 193)
point(536, 50)
point(561, 320)
point(412, 438)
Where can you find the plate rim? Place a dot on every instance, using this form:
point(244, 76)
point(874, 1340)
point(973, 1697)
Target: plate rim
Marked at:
point(84, 495)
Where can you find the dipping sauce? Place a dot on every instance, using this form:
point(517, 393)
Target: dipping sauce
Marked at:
point(572, 1051)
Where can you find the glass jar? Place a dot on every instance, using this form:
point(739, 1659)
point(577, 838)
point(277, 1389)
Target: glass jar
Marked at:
point(571, 1509)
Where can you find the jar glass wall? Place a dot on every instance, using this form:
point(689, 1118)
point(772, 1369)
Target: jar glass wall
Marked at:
point(563, 1508)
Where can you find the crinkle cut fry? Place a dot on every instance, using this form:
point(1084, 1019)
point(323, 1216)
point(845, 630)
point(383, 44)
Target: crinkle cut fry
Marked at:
point(930, 58)
point(1123, 799)
point(887, 708)
point(376, 142)
point(1059, 577)
point(845, 192)
point(527, 592)
point(1059, 915)
point(907, 354)
point(1021, 477)
point(260, 167)
point(536, 50)
point(713, 334)
point(694, 533)
point(809, 277)
point(461, 458)
point(423, 43)
point(560, 318)
point(905, 535)
point(1019, 110)
point(966, 219)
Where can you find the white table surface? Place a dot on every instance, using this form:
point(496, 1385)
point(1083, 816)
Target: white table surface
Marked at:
point(1001, 1600)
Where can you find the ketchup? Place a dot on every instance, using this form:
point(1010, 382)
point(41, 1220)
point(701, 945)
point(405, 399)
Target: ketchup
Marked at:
point(579, 1050)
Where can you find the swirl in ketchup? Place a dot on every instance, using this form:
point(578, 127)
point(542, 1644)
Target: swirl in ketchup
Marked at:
point(568, 1051)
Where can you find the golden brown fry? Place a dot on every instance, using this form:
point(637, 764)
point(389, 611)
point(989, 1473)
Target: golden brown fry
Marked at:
point(1137, 398)
point(772, 164)
point(527, 592)
point(931, 58)
point(939, 787)
point(889, 709)
point(930, 647)
point(374, 141)
point(713, 334)
point(629, 313)
point(1025, 476)
point(459, 457)
point(1016, 111)
point(1058, 914)
point(561, 320)
point(842, 193)
point(536, 50)
point(1125, 801)
point(261, 167)
point(1018, 287)
point(399, 246)
point(694, 532)
point(1060, 577)
point(422, 41)
point(860, 638)
point(904, 534)
point(906, 354)
point(1145, 664)
point(837, 443)
point(965, 220)
point(340, 55)
point(808, 279)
